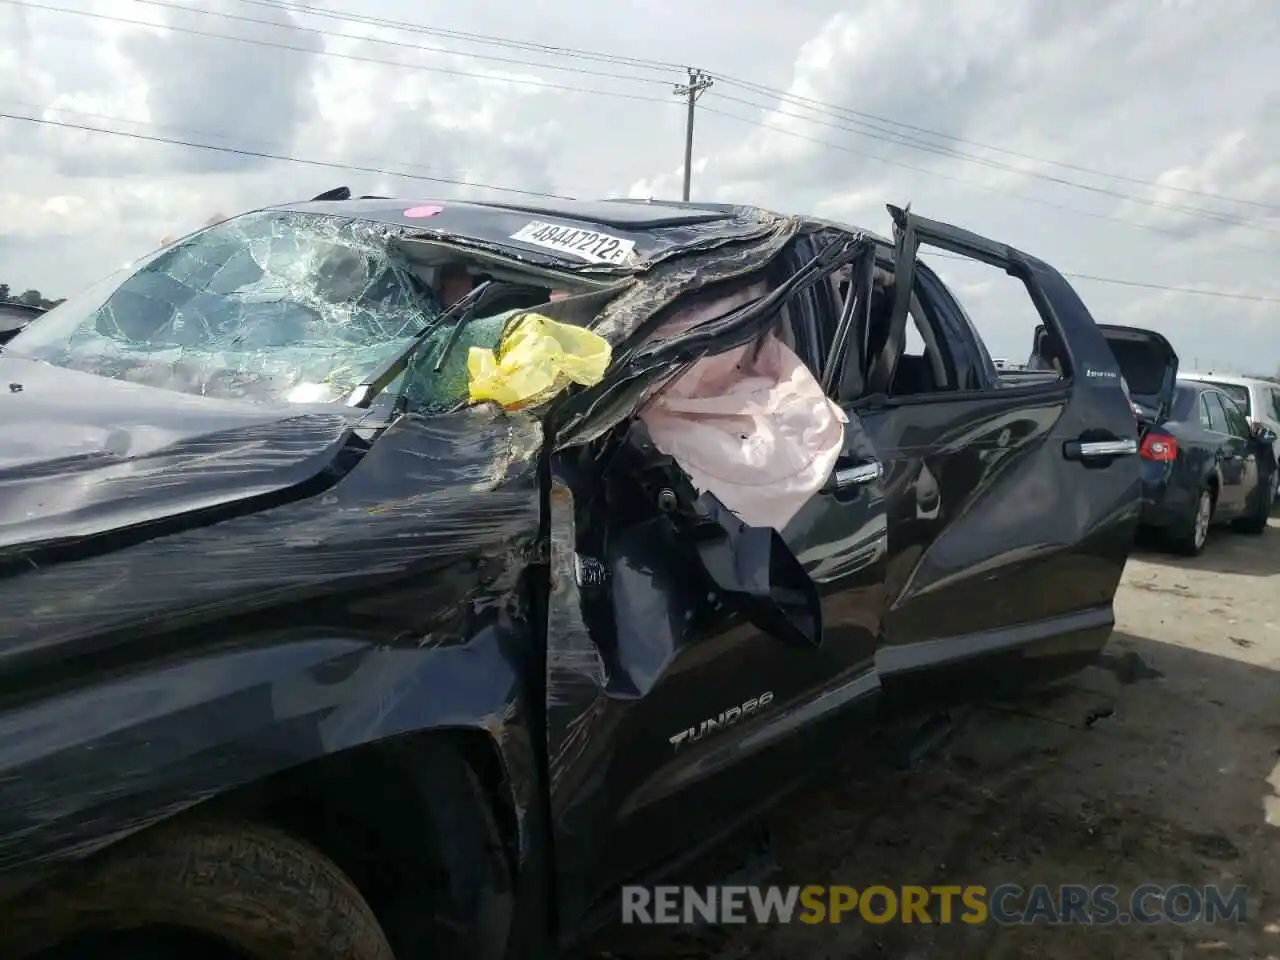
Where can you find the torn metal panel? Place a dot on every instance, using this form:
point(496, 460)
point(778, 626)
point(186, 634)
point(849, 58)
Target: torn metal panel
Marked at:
point(652, 231)
point(645, 360)
point(627, 312)
point(639, 309)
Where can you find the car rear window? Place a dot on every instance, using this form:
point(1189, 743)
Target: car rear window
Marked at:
point(1238, 393)
point(1185, 405)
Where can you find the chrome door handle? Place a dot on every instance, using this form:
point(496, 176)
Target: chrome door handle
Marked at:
point(856, 476)
point(1098, 449)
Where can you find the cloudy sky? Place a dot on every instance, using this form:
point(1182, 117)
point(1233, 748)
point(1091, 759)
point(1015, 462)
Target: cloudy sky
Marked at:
point(1136, 140)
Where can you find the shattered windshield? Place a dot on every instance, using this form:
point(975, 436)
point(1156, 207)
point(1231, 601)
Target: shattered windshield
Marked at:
point(267, 306)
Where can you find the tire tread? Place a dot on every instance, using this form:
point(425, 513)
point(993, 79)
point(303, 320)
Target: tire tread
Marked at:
point(253, 886)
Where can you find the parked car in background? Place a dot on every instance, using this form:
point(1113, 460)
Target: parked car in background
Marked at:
point(14, 316)
point(1258, 399)
point(1206, 464)
point(310, 654)
point(1203, 462)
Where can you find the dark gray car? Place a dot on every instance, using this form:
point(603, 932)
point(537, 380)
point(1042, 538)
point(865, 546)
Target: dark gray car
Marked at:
point(1204, 464)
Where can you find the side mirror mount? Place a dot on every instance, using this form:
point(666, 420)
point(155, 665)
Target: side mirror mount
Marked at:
point(14, 318)
point(9, 331)
point(1263, 433)
point(756, 572)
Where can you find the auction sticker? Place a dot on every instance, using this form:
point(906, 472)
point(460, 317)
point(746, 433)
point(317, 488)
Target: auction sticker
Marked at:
point(589, 245)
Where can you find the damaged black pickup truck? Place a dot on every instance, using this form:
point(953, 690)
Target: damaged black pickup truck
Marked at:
point(306, 653)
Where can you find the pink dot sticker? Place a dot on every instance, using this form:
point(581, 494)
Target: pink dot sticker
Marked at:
point(421, 213)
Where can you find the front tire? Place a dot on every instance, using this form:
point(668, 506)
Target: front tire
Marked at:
point(262, 893)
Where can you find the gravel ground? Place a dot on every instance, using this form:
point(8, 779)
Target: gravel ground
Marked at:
point(1161, 764)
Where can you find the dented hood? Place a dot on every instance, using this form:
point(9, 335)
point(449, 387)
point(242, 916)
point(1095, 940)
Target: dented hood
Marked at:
point(82, 455)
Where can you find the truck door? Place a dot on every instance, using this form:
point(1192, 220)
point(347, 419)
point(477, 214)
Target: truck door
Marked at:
point(675, 708)
point(1012, 507)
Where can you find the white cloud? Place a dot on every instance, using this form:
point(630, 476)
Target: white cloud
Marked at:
point(1175, 96)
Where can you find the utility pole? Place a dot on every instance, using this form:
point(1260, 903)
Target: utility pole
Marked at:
point(698, 82)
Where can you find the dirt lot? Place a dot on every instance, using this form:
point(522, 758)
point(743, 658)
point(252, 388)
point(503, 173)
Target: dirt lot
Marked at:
point(1160, 765)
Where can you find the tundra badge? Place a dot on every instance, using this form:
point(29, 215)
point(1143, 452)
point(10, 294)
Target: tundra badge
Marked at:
point(726, 718)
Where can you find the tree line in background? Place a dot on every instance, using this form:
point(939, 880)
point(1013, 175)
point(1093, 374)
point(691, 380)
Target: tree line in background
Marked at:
point(32, 298)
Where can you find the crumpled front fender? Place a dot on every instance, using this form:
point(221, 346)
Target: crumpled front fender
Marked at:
point(82, 770)
point(137, 684)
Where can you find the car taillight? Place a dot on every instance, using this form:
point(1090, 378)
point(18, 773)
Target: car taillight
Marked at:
point(1159, 447)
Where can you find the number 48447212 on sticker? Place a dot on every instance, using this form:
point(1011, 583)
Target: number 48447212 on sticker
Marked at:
point(589, 245)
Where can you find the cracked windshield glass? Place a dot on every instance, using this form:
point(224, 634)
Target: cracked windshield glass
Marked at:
point(270, 306)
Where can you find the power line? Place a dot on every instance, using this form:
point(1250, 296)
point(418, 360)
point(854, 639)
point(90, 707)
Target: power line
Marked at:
point(1225, 218)
point(832, 109)
point(877, 133)
point(186, 8)
point(184, 131)
point(750, 86)
point(201, 132)
point(565, 51)
point(1255, 298)
point(263, 155)
point(575, 53)
point(697, 85)
point(696, 88)
point(552, 196)
point(886, 135)
point(1117, 281)
point(969, 184)
point(519, 81)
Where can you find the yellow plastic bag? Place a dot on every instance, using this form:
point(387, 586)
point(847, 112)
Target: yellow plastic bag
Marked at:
point(536, 358)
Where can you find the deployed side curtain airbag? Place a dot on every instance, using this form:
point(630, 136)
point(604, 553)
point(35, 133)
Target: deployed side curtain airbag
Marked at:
point(752, 426)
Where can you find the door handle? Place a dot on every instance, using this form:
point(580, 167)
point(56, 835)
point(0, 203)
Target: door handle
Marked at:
point(1098, 449)
point(857, 475)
